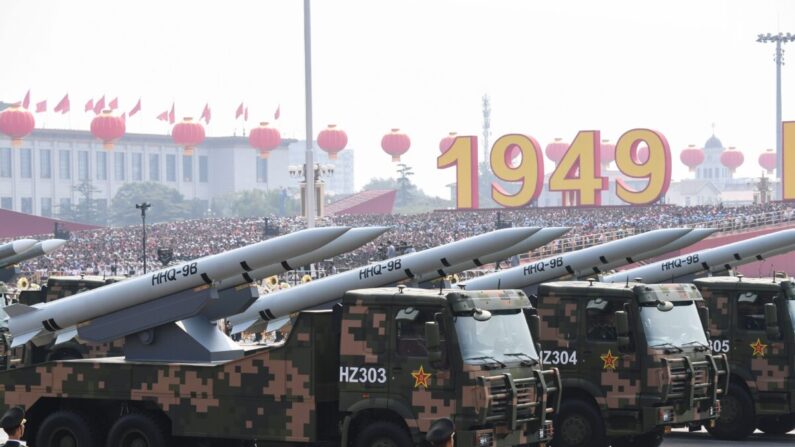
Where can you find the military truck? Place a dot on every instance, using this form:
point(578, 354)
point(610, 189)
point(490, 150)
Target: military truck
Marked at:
point(752, 321)
point(376, 369)
point(56, 287)
point(634, 359)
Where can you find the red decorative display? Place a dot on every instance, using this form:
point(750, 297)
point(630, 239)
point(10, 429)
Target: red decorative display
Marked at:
point(768, 160)
point(692, 157)
point(108, 128)
point(17, 123)
point(266, 139)
point(188, 134)
point(556, 149)
point(395, 143)
point(732, 159)
point(446, 142)
point(607, 152)
point(332, 140)
point(640, 155)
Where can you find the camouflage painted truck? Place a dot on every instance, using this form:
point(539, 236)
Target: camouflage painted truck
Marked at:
point(751, 320)
point(376, 369)
point(634, 360)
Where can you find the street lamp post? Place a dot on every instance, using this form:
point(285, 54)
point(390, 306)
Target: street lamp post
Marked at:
point(143, 206)
point(310, 173)
point(779, 59)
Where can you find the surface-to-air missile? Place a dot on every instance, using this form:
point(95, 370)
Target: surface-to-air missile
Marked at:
point(687, 240)
point(682, 267)
point(576, 263)
point(36, 250)
point(406, 267)
point(16, 247)
point(42, 320)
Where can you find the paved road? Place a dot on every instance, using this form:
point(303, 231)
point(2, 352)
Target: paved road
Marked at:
point(684, 439)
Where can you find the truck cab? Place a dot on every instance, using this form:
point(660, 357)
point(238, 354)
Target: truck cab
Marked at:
point(410, 356)
point(634, 358)
point(751, 321)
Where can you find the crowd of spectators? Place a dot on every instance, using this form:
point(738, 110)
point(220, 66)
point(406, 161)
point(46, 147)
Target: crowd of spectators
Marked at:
point(110, 251)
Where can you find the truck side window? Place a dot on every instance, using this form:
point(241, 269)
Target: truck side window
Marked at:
point(751, 310)
point(600, 319)
point(410, 323)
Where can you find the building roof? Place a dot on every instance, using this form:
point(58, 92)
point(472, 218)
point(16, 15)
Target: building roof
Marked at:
point(692, 187)
point(374, 201)
point(14, 225)
point(164, 139)
point(713, 142)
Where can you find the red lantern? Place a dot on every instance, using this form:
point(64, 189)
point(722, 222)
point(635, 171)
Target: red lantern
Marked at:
point(607, 152)
point(108, 128)
point(446, 142)
point(395, 143)
point(188, 134)
point(266, 139)
point(332, 140)
point(768, 160)
point(556, 150)
point(17, 123)
point(692, 157)
point(732, 159)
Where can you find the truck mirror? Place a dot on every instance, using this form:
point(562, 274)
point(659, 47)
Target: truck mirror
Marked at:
point(703, 314)
point(771, 321)
point(534, 324)
point(432, 342)
point(622, 330)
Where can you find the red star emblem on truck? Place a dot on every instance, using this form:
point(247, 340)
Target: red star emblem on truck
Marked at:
point(420, 378)
point(611, 361)
point(759, 348)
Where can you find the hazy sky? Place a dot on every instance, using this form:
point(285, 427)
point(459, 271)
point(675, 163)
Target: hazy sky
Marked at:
point(551, 68)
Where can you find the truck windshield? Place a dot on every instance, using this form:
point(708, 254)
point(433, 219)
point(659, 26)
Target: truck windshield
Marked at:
point(679, 326)
point(503, 338)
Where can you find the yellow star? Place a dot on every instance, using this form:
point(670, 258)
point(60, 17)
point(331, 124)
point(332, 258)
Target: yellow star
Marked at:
point(759, 348)
point(611, 361)
point(420, 378)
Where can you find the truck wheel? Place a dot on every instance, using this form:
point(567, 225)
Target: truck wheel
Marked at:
point(579, 424)
point(651, 439)
point(737, 415)
point(776, 425)
point(137, 430)
point(66, 429)
point(383, 434)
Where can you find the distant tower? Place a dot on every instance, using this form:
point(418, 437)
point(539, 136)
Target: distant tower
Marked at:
point(486, 126)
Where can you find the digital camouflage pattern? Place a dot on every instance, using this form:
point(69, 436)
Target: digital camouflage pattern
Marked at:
point(738, 328)
point(336, 371)
point(638, 389)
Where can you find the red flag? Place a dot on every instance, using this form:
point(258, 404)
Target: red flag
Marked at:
point(63, 105)
point(90, 105)
point(171, 116)
point(239, 111)
point(114, 104)
point(26, 101)
point(245, 115)
point(206, 113)
point(41, 106)
point(278, 112)
point(162, 117)
point(137, 108)
point(99, 105)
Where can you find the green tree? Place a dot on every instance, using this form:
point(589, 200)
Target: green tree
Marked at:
point(254, 203)
point(412, 199)
point(167, 204)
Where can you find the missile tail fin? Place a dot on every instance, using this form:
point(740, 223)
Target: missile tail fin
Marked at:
point(18, 309)
point(66, 335)
point(20, 340)
point(244, 326)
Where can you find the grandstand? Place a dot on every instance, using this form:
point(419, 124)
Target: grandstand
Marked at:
point(374, 201)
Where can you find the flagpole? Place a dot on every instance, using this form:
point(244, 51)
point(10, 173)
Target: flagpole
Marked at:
point(309, 166)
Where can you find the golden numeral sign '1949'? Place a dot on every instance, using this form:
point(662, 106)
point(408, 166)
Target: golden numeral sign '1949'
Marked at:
point(578, 173)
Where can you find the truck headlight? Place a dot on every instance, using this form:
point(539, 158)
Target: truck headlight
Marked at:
point(485, 439)
point(666, 415)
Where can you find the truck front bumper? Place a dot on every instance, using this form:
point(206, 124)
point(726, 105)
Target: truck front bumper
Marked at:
point(497, 437)
point(633, 422)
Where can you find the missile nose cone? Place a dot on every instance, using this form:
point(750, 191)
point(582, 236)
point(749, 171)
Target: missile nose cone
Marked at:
point(50, 245)
point(23, 245)
point(324, 235)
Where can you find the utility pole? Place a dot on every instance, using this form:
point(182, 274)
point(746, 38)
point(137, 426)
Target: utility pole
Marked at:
point(310, 173)
point(486, 128)
point(143, 206)
point(778, 39)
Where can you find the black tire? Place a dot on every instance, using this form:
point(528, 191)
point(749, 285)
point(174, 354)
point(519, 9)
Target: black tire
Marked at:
point(737, 415)
point(651, 439)
point(776, 425)
point(579, 424)
point(66, 429)
point(383, 434)
point(137, 430)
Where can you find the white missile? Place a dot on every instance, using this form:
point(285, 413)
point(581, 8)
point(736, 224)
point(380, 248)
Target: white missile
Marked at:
point(29, 322)
point(718, 258)
point(688, 239)
point(38, 249)
point(315, 293)
point(576, 263)
point(351, 240)
point(16, 247)
point(541, 238)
